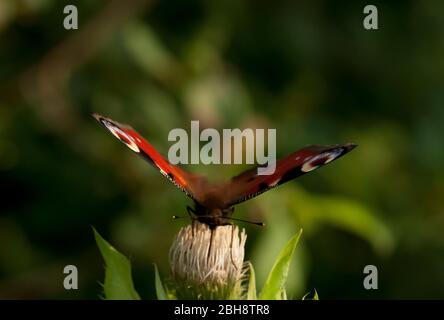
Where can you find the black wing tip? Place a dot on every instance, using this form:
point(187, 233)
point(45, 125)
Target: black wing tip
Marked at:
point(349, 146)
point(97, 116)
point(103, 120)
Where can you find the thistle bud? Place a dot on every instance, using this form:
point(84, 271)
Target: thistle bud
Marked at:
point(208, 263)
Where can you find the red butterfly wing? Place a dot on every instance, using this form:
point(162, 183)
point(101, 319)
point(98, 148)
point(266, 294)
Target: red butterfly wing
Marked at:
point(187, 182)
point(249, 184)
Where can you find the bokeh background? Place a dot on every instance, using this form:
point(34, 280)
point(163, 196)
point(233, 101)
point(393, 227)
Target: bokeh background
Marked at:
point(307, 68)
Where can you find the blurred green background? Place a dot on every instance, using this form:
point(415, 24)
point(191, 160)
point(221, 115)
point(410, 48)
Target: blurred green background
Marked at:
point(307, 68)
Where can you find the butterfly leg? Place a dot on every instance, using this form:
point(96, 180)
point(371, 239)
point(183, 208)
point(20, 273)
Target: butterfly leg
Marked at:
point(231, 246)
point(192, 213)
point(211, 244)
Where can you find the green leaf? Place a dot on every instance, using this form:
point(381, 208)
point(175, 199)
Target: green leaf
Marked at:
point(160, 290)
point(274, 287)
point(251, 294)
point(118, 283)
point(312, 295)
point(355, 217)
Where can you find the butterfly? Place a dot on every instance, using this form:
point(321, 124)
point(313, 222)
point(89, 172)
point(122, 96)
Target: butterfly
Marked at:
point(214, 203)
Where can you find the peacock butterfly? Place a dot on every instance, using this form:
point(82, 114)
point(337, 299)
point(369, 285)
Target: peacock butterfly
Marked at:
point(214, 203)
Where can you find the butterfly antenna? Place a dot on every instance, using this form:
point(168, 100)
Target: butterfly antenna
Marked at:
point(261, 224)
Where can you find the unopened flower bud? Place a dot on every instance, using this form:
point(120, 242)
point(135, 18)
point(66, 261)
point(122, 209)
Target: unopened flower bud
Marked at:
point(208, 263)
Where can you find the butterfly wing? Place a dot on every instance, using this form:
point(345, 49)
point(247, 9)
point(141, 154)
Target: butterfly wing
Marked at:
point(249, 184)
point(187, 182)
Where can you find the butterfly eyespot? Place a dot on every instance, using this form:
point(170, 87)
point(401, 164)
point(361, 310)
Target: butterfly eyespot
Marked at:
point(313, 163)
point(332, 156)
point(121, 135)
point(319, 160)
point(308, 166)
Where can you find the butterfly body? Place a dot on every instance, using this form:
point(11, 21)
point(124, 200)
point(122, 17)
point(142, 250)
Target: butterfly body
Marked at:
point(214, 203)
point(212, 216)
